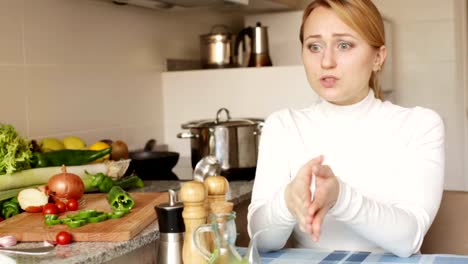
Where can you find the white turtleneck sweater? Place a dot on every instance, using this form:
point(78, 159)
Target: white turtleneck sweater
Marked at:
point(389, 162)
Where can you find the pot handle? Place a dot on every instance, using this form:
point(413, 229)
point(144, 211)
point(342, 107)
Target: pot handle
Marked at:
point(186, 135)
point(218, 115)
point(258, 131)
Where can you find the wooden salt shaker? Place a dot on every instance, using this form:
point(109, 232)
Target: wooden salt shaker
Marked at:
point(193, 195)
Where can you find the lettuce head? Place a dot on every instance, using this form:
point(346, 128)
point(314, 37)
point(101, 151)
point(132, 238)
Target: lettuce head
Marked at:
point(15, 152)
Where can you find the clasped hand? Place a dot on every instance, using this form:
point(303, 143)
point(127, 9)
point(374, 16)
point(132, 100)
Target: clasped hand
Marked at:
point(310, 211)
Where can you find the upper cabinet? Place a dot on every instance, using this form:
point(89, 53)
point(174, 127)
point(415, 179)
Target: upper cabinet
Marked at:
point(273, 4)
point(222, 5)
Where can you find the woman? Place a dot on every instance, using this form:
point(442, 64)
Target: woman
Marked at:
point(351, 172)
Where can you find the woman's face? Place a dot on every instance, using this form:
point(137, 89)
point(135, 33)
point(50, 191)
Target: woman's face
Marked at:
point(338, 62)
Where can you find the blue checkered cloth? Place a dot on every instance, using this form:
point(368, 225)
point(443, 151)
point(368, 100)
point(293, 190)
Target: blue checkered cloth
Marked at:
point(309, 256)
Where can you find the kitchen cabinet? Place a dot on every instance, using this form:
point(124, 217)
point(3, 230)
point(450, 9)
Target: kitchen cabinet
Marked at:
point(290, 3)
point(222, 5)
point(273, 4)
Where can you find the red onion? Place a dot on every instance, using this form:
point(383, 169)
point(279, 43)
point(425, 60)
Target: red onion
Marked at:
point(65, 186)
point(7, 241)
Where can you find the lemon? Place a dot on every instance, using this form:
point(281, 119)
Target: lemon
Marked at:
point(50, 144)
point(73, 142)
point(100, 146)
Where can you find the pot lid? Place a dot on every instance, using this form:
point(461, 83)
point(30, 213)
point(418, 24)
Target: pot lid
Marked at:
point(227, 122)
point(217, 33)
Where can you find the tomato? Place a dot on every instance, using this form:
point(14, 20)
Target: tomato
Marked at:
point(1, 219)
point(63, 238)
point(49, 208)
point(61, 206)
point(72, 205)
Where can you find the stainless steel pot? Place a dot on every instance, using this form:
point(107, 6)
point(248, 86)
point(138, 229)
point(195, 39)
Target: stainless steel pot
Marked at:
point(216, 48)
point(234, 142)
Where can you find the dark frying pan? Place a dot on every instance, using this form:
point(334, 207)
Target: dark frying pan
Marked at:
point(153, 165)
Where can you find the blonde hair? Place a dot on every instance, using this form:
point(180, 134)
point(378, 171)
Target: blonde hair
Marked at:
point(364, 18)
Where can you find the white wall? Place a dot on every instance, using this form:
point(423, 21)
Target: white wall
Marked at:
point(245, 92)
point(90, 68)
point(425, 69)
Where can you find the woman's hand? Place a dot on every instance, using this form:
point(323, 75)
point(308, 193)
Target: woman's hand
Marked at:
point(326, 194)
point(297, 194)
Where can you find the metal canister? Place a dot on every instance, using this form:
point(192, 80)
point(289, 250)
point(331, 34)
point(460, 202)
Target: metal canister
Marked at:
point(216, 48)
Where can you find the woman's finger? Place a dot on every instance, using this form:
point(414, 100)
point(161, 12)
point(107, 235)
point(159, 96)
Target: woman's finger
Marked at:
point(317, 224)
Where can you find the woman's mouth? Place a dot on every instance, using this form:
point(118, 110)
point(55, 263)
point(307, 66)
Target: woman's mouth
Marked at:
point(328, 81)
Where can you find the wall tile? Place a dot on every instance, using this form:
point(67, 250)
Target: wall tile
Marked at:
point(56, 32)
point(434, 86)
point(13, 98)
point(70, 99)
point(415, 10)
point(11, 31)
point(89, 32)
point(424, 42)
point(428, 84)
point(137, 136)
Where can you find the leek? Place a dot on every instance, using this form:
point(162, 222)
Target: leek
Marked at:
point(39, 176)
point(13, 192)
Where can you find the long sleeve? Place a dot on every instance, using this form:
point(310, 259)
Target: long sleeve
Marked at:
point(399, 226)
point(268, 208)
point(389, 161)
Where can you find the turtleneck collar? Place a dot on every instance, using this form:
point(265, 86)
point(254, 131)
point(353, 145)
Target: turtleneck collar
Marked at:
point(348, 112)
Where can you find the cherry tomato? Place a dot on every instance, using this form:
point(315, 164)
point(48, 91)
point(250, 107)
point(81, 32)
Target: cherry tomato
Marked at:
point(61, 206)
point(72, 205)
point(1, 219)
point(49, 208)
point(63, 238)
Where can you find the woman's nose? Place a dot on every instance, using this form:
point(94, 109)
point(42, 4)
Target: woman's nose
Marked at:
point(328, 59)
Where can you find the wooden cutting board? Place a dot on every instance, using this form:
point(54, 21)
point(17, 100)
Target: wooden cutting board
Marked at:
point(31, 227)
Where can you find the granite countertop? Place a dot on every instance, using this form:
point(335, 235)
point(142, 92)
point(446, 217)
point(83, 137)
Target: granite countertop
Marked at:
point(99, 252)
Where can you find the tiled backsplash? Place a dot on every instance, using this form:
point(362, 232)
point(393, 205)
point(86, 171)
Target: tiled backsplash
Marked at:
point(90, 68)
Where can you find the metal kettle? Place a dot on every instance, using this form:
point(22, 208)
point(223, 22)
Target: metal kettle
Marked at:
point(259, 53)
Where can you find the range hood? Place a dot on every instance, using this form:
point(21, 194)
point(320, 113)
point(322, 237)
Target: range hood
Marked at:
point(166, 4)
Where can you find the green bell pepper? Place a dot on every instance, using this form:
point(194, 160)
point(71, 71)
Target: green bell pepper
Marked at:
point(10, 208)
point(118, 198)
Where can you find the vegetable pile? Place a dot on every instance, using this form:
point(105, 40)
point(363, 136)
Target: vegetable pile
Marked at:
point(15, 152)
point(33, 177)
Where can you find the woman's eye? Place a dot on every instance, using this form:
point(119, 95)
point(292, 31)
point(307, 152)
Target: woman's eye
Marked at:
point(314, 47)
point(344, 46)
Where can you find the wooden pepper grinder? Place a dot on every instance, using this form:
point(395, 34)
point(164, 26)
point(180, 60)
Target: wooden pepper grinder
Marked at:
point(193, 195)
point(217, 187)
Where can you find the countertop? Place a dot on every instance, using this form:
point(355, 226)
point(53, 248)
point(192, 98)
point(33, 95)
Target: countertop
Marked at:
point(99, 252)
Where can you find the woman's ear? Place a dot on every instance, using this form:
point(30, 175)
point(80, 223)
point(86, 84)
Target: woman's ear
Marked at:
point(380, 57)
